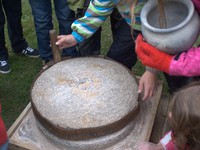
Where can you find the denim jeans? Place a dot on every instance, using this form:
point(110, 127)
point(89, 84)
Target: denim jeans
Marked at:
point(42, 13)
point(11, 11)
point(4, 146)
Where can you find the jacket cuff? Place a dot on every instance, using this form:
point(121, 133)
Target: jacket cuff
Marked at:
point(77, 37)
point(152, 70)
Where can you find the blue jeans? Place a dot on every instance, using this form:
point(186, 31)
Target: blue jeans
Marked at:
point(42, 13)
point(4, 146)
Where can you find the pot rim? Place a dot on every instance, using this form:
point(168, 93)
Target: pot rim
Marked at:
point(152, 3)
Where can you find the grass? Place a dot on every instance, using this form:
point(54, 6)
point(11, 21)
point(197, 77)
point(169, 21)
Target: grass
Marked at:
point(15, 86)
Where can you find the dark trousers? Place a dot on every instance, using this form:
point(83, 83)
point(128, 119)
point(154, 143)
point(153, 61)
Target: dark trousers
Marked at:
point(42, 13)
point(11, 11)
point(177, 82)
point(122, 48)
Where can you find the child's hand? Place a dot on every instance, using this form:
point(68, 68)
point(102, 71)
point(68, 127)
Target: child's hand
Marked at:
point(65, 41)
point(149, 146)
point(151, 56)
point(147, 85)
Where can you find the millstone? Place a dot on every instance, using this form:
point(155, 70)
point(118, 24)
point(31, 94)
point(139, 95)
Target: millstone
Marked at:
point(85, 98)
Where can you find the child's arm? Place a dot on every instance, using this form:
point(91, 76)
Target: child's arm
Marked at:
point(87, 25)
point(167, 142)
point(184, 64)
point(96, 14)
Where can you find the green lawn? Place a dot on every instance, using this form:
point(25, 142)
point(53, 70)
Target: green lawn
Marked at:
point(15, 86)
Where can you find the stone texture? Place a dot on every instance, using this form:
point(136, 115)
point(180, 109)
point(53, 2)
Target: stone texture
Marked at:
point(85, 92)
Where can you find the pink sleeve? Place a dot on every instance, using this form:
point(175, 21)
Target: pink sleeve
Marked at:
point(197, 5)
point(188, 64)
point(167, 142)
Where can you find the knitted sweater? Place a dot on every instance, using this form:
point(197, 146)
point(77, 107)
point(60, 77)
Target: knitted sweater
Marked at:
point(3, 134)
point(188, 63)
point(97, 13)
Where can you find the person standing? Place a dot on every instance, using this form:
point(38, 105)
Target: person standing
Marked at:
point(12, 11)
point(42, 13)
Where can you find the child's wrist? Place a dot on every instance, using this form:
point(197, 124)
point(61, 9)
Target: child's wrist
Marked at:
point(160, 146)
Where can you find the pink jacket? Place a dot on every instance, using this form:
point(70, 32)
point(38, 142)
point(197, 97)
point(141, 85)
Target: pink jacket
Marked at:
point(168, 142)
point(188, 63)
point(197, 5)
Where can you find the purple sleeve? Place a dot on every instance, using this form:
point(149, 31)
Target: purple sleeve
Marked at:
point(188, 63)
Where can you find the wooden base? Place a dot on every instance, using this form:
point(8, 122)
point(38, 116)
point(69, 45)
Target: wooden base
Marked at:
point(161, 125)
point(24, 133)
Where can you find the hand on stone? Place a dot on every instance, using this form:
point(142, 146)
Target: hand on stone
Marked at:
point(66, 41)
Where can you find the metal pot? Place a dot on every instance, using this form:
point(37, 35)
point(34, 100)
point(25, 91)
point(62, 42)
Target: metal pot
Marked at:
point(182, 25)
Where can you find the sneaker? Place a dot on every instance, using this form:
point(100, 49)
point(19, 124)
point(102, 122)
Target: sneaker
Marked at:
point(30, 52)
point(4, 67)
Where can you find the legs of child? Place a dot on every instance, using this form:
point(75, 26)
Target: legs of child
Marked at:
point(149, 146)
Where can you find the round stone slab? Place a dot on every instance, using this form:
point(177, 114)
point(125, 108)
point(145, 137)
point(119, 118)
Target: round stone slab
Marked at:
point(83, 93)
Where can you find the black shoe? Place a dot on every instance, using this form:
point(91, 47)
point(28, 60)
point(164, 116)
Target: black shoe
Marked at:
point(30, 52)
point(4, 67)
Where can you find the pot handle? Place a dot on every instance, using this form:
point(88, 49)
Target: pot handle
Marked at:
point(55, 48)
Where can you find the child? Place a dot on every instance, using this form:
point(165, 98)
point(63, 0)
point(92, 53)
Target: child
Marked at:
point(96, 14)
point(179, 69)
point(184, 117)
point(3, 134)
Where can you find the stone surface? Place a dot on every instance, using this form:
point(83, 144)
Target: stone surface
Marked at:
point(85, 92)
point(85, 98)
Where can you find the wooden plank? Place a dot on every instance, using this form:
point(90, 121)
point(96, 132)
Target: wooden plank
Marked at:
point(15, 147)
point(19, 120)
point(166, 126)
point(160, 125)
point(157, 98)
